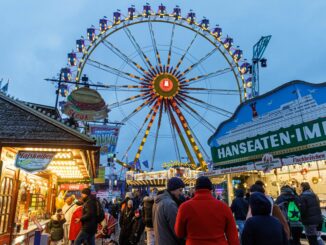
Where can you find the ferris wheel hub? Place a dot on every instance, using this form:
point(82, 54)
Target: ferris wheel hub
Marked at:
point(166, 85)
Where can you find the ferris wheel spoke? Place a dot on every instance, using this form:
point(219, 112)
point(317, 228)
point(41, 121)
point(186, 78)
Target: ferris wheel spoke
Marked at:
point(138, 49)
point(139, 130)
point(157, 54)
point(156, 136)
point(186, 52)
point(129, 100)
point(176, 129)
point(170, 48)
point(199, 61)
point(191, 111)
point(207, 76)
point(189, 135)
point(208, 106)
point(124, 57)
point(114, 71)
point(138, 109)
point(149, 126)
point(211, 91)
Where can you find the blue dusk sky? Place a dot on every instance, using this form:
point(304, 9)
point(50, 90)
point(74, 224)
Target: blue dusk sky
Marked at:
point(37, 35)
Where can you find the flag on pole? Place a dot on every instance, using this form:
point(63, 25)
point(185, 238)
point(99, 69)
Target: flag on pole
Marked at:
point(145, 163)
point(5, 88)
point(138, 167)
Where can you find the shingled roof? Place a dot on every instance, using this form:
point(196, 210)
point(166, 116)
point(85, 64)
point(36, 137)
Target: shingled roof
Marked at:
point(27, 122)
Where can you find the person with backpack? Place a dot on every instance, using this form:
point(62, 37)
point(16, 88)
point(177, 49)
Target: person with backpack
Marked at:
point(311, 215)
point(92, 213)
point(289, 203)
point(148, 219)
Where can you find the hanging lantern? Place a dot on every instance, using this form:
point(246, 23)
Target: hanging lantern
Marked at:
point(116, 17)
point(65, 74)
point(161, 10)
point(91, 34)
point(80, 45)
point(237, 54)
point(228, 42)
point(177, 12)
point(217, 32)
point(204, 23)
point(147, 10)
point(131, 12)
point(191, 17)
point(72, 58)
point(244, 68)
point(103, 24)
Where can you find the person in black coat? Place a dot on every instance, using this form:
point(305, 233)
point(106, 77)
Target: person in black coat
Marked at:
point(89, 222)
point(239, 207)
point(126, 217)
point(147, 215)
point(288, 195)
point(262, 228)
point(136, 228)
point(311, 215)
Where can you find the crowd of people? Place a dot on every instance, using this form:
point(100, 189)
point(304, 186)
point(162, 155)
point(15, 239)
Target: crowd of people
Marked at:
point(171, 218)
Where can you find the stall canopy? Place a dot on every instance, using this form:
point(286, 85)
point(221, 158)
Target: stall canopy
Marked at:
point(284, 126)
point(28, 127)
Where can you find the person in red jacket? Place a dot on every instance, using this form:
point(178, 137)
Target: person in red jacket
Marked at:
point(75, 228)
point(204, 220)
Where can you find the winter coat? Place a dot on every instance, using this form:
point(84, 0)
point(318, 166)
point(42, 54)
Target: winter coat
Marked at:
point(165, 211)
point(262, 228)
point(147, 211)
point(287, 196)
point(125, 219)
point(56, 228)
point(206, 221)
point(114, 211)
point(136, 230)
point(89, 222)
point(239, 206)
point(310, 208)
point(75, 227)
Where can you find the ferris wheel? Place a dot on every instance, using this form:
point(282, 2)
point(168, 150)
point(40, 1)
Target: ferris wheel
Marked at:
point(170, 79)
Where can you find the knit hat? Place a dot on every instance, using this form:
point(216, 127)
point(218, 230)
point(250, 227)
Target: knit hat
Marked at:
point(175, 183)
point(86, 191)
point(203, 182)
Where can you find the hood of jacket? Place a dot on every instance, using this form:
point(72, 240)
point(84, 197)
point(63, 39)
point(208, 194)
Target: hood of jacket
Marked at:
point(163, 197)
point(259, 204)
point(239, 193)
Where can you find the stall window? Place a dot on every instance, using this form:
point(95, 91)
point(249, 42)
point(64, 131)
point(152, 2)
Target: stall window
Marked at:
point(6, 191)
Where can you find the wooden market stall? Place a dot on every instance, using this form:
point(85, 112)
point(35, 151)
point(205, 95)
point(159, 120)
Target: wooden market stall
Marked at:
point(38, 152)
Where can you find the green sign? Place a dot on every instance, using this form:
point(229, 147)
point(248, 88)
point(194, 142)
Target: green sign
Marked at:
point(303, 134)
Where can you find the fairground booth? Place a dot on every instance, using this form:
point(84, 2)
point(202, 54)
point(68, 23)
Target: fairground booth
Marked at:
point(159, 179)
point(278, 137)
point(39, 155)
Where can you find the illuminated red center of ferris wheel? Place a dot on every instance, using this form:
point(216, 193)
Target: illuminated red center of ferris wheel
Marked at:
point(166, 85)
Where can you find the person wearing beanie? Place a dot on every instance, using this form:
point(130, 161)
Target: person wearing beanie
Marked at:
point(262, 228)
point(205, 220)
point(88, 219)
point(165, 210)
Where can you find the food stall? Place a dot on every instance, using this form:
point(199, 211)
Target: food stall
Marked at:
point(278, 137)
point(159, 179)
point(38, 152)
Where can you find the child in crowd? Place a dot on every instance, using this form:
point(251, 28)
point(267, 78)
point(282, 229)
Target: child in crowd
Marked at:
point(56, 227)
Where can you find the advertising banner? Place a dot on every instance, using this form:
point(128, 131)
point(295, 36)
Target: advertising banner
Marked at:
point(106, 137)
point(32, 161)
point(288, 120)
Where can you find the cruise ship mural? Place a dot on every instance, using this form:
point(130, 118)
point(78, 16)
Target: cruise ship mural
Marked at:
point(274, 121)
